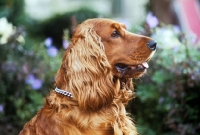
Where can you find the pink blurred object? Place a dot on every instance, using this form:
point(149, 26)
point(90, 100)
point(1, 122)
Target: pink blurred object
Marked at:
point(189, 15)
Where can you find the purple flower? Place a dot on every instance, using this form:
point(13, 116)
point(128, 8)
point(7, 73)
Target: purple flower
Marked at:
point(37, 84)
point(65, 44)
point(8, 66)
point(161, 100)
point(48, 42)
point(30, 79)
point(151, 20)
point(52, 51)
point(34, 82)
point(1, 108)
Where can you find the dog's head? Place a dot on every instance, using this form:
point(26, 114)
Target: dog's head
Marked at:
point(126, 52)
point(101, 51)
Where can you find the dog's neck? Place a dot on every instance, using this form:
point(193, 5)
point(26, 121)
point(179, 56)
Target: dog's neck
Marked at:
point(125, 83)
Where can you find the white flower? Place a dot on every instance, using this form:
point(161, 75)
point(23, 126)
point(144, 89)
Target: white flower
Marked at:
point(6, 30)
point(167, 38)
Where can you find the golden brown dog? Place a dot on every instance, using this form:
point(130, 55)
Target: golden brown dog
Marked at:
point(94, 82)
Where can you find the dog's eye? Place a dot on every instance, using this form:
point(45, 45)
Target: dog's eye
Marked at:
point(115, 34)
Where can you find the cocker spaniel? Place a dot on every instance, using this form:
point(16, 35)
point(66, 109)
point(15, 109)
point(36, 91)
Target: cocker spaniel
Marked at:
point(94, 82)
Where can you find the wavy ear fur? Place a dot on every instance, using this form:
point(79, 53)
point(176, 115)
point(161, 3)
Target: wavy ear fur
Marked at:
point(85, 71)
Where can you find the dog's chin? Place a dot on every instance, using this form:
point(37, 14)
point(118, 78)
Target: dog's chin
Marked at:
point(131, 71)
point(131, 74)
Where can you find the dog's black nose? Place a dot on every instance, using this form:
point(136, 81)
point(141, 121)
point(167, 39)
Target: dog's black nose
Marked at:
point(152, 44)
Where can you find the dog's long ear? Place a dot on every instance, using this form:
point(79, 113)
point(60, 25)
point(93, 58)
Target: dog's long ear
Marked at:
point(86, 71)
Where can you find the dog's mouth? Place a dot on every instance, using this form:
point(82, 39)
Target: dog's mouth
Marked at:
point(131, 71)
point(123, 67)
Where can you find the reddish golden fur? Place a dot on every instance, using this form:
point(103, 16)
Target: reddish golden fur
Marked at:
point(100, 92)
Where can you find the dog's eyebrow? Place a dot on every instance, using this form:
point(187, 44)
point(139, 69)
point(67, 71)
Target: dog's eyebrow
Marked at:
point(123, 25)
point(119, 28)
point(118, 25)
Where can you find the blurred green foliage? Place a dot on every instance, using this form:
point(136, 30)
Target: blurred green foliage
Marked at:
point(54, 27)
point(167, 101)
point(13, 10)
point(21, 99)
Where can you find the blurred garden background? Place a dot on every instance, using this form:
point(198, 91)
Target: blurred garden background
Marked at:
point(35, 33)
